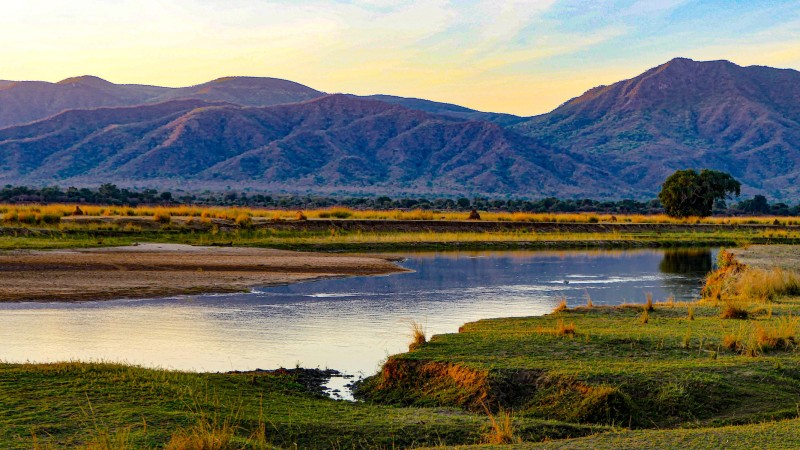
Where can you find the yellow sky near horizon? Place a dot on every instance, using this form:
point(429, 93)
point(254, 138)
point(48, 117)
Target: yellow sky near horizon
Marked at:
point(521, 57)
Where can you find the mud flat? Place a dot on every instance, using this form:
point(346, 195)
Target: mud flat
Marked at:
point(152, 270)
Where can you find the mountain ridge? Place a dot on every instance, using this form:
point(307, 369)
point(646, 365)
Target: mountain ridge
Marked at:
point(612, 141)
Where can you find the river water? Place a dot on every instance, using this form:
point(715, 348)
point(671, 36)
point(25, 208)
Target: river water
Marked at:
point(349, 324)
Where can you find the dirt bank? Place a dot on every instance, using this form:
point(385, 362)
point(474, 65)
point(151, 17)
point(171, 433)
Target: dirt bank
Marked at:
point(151, 270)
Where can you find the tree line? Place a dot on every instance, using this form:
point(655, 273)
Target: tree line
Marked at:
point(110, 194)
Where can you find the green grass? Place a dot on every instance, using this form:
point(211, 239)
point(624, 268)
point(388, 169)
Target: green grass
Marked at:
point(773, 435)
point(70, 405)
point(340, 240)
point(668, 372)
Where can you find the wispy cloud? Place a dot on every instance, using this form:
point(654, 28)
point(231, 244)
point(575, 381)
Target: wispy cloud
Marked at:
point(523, 56)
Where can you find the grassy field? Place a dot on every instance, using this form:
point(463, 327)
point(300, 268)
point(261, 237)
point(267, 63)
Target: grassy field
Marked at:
point(93, 235)
point(769, 435)
point(339, 229)
point(109, 406)
point(51, 214)
point(729, 359)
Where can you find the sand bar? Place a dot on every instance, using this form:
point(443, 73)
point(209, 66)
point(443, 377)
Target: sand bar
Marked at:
point(154, 270)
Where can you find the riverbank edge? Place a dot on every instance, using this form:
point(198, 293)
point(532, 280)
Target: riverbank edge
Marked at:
point(463, 379)
point(120, 273)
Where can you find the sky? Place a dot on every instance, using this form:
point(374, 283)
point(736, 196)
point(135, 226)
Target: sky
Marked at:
point(520, 57)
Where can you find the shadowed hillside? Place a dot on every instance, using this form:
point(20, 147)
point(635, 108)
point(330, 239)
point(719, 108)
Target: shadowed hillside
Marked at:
point(335, 143)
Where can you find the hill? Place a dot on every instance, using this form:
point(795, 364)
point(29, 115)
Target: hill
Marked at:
point(27, 101)
point(613, 141)
point(714, 114)
point(336, 143)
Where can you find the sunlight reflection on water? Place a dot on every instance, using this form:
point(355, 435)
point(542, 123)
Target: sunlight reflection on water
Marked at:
point(348, 324)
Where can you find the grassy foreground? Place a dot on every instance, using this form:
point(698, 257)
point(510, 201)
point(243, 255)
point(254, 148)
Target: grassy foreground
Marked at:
point(109, 406)
point(730, 359)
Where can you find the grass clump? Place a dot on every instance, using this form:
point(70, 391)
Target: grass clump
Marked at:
point(418, 338)
point(649, 304)
point(734, 311)
point(162, 216)
point(501, 428)
point(244, 221)
point(562, 305)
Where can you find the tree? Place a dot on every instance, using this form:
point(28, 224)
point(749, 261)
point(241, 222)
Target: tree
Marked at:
point(686, 193)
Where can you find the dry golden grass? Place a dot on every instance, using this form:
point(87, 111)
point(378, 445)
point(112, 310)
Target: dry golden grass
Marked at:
point(418, 338)
point(754, 339)
point(162, 215)
point(780, 334)
point(649, 304)
point(231, 213)
point(735, 282)
point(562, 305)
point(733, 311)
point(644, 318)
point(501, 429)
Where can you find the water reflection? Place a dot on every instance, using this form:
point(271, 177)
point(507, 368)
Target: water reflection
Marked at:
point(686, 261)
point(349, 324)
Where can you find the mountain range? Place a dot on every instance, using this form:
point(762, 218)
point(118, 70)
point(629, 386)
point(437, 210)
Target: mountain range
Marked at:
point(275, 135)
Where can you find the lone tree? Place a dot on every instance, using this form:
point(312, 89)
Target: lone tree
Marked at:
point(686, 193)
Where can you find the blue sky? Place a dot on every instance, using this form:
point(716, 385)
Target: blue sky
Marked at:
point(523, 57)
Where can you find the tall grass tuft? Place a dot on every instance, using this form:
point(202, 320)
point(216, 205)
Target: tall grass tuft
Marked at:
point(212, 431)
point(418, 338)
point(649, 305)
point(501, 428)
point(644, 318)
point(562, 305)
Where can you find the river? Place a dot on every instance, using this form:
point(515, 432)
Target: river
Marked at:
point(349, 324)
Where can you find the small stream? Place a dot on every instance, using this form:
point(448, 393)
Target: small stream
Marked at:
point(349, 324)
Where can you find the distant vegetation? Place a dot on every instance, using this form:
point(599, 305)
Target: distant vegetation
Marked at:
point(112, 195)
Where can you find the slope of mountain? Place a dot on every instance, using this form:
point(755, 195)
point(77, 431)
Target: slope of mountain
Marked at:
point(334, 143)
point(28, 101)
point(450, 110)
point(247, 91)
point(715, 114)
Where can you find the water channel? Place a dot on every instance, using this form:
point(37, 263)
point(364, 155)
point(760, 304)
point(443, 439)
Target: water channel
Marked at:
point(348, 324)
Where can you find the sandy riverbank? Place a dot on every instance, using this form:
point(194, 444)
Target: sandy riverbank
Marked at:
point(786, 257)
point(152, 270)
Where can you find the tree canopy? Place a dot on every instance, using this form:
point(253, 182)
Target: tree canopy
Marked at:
point(686, 193)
